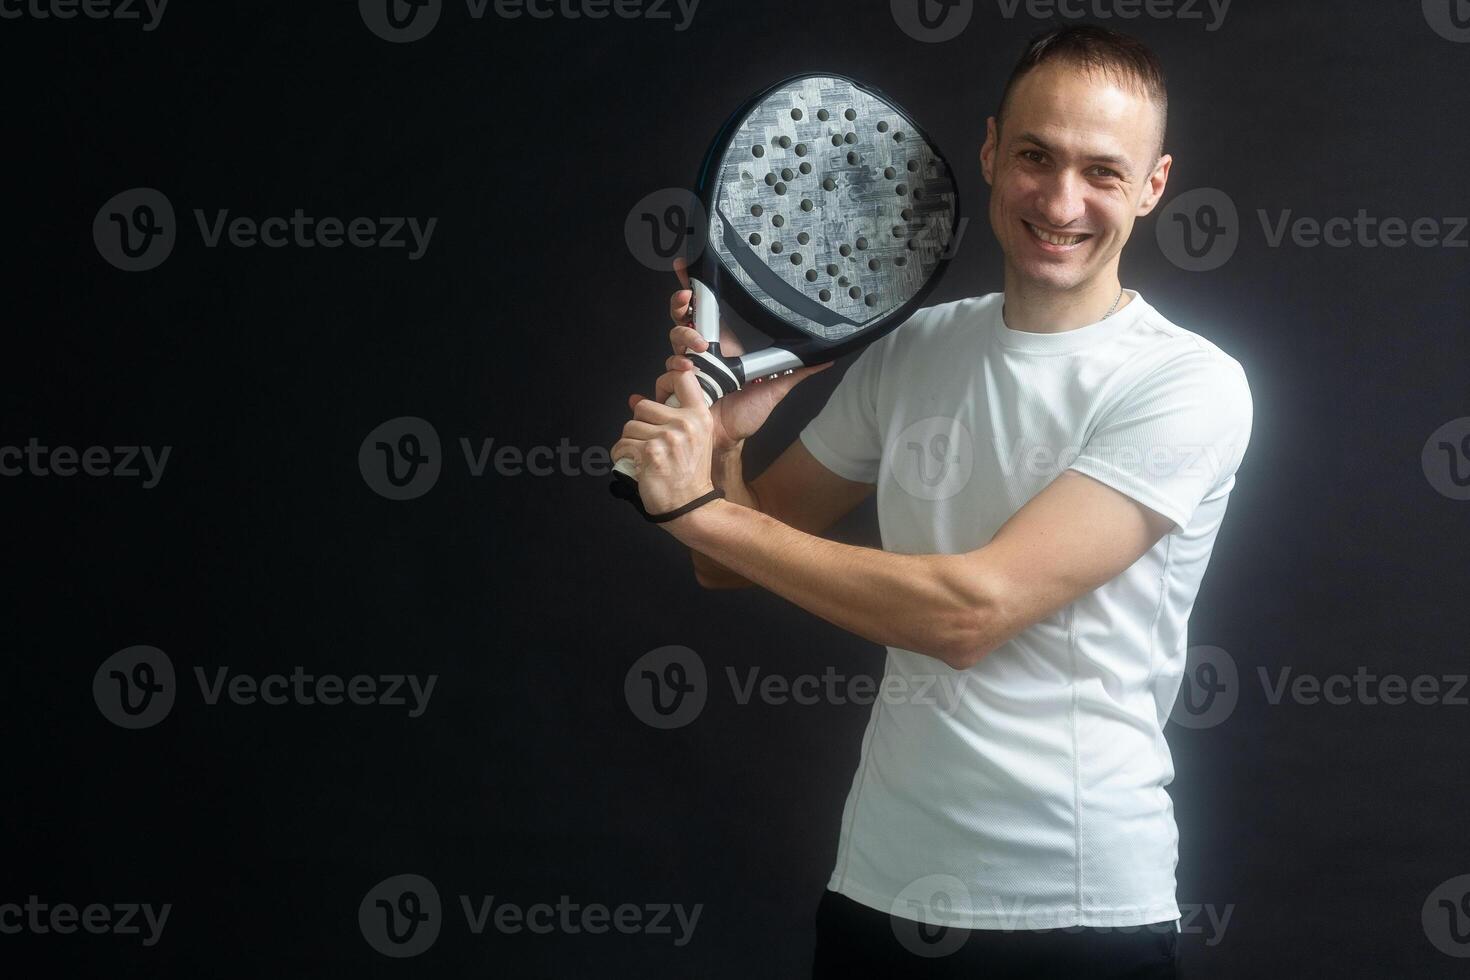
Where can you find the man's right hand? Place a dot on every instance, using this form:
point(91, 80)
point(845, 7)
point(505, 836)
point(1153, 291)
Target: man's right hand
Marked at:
point(741, 414)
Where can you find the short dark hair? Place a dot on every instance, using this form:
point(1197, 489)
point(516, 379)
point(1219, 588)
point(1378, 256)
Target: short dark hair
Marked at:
point(1120, 56)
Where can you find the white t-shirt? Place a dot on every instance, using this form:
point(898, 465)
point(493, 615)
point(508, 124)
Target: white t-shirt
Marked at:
point(1032, 797)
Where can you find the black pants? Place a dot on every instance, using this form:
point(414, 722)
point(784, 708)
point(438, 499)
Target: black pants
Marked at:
point(856, 941)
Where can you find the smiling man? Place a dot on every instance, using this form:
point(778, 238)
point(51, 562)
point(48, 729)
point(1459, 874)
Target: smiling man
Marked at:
point(1052, 465)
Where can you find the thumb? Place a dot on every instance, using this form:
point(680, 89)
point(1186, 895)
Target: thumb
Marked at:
point(681, 269)
point(688, 390)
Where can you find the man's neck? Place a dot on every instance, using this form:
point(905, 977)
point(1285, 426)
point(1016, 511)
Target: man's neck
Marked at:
point(1036, 310)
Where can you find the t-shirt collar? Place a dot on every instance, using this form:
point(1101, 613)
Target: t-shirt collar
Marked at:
point(1068, 340)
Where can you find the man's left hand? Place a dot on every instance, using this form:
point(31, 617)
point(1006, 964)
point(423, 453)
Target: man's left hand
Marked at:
point(671, 446)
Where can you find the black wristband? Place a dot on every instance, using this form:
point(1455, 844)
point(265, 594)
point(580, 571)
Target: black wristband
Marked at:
point(714, 494)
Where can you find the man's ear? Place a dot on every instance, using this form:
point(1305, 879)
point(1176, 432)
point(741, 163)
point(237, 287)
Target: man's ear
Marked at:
point(987, 151)
point(1154, 188)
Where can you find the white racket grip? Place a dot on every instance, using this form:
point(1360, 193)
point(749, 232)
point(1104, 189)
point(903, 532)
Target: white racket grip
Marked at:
point(706, 311)
point(625, 464)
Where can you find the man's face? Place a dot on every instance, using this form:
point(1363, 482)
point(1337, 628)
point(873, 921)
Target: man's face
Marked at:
point(1073, 168)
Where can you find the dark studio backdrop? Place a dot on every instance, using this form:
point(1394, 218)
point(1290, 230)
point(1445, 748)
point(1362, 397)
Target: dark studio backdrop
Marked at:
point(1317, 838)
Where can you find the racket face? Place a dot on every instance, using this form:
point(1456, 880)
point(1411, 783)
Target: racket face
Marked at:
point(830, 209)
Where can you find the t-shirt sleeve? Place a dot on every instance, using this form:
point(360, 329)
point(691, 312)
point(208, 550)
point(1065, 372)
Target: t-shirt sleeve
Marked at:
point(845, 436)
point(1176, 438)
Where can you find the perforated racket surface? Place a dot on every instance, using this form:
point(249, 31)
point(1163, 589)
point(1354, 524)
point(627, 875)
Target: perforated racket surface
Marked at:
point(831, 215)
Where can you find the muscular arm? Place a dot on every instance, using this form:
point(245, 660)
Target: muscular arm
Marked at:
point(1066, 541)
point(795, 490)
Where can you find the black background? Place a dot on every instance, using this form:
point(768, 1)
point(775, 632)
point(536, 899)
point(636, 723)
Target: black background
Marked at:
point(529, 321)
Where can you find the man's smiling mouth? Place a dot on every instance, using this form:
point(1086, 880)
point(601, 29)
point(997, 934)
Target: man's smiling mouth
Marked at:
point(1052, 238)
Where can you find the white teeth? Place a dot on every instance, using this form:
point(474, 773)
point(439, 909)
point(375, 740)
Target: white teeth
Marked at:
point(1054, 239)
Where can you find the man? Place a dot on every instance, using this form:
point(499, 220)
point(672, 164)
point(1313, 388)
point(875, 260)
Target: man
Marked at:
point(1052, 464)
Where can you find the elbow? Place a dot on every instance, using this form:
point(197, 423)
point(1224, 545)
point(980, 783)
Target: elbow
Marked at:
point(706, 581)
point(713, 577)
point(702, 573)
point(963, 649)
point(968, 629)
point(956, 638)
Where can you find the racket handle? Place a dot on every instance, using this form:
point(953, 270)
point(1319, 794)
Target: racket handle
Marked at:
point(716, 378)
point(624, 466)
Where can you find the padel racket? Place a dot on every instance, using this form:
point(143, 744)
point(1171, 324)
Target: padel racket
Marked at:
point(830, 217)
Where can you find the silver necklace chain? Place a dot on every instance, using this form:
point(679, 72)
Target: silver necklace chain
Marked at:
point(1105, 315)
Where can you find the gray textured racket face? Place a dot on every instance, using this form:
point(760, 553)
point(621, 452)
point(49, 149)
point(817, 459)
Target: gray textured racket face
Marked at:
point(832, 209)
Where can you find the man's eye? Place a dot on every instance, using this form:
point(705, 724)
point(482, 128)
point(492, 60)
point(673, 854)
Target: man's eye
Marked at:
point(1104, 172)
point(1033, 156)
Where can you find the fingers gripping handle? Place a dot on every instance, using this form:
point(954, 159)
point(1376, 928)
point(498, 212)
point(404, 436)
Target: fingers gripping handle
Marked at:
point(716, 379)
point(625, 465)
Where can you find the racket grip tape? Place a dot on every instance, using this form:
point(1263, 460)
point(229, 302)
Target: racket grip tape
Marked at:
point(717, 377)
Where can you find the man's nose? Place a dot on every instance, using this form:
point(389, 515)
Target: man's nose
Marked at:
point(1060, 199)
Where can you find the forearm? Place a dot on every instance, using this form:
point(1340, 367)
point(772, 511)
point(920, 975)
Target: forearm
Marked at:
point(931, 604)
point(726, 473)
